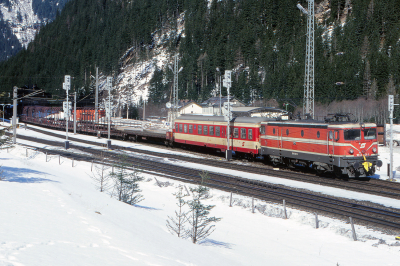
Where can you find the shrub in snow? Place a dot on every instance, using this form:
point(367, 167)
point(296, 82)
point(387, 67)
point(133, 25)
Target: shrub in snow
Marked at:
point(126, 183)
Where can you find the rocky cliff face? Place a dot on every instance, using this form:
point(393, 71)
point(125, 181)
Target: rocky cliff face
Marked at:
point(20, 21)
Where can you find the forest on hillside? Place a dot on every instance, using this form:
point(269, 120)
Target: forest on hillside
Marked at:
point(357, 47)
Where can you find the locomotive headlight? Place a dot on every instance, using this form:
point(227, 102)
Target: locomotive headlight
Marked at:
point(351, 151)
point(374, 149)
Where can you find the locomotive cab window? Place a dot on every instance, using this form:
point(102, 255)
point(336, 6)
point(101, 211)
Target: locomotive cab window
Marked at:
point(199, 130)
point(273, 131)
point(287, 132)
point(211, 130)
point(352, 134)
point(243, 133)
point(217, 131)
point(318, 134)
point(250, 134)
point(369, 133)
point(235, 132)
point(190, 128)
point(302, 133)
point(330, 135)
point(185, 128)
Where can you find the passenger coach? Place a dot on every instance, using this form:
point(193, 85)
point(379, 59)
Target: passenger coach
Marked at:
point(210, 132)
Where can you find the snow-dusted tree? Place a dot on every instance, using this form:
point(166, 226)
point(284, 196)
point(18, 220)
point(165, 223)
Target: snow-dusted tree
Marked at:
point(176, 225)
point(200, 223)
point(126, 183)
point(101, 177)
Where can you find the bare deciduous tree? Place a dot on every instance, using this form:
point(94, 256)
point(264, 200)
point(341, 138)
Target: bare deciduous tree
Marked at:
point(101, 178)
point(176, 225)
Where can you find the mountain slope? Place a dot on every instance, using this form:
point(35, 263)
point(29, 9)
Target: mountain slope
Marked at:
point(357, 47)
point(21, 19)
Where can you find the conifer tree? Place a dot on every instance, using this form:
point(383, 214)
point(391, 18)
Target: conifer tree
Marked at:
point(201, 224)
point(126, 183)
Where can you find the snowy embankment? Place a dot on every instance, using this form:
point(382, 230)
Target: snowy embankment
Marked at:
point(53, 214)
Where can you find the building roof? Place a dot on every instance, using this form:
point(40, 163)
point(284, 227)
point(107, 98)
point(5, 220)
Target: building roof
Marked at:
point(216, 100)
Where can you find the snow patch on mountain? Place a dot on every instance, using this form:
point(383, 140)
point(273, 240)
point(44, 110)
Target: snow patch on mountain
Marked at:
point(22, 20)
point(133, 82)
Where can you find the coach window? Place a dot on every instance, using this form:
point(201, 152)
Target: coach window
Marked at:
point(318, 134)
point(302, 133)
point(217, 131)
point(211, 130)
point(205, 130)
point(190, 128)
point(180, 127)
point(236, 133)
point(176, 127)
point(250, 134)
point(199, 130)
point(185, 128)
point(262, 130)
point(243, 133)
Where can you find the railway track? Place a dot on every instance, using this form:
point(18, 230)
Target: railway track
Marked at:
point(368, 214)
point(369, 186)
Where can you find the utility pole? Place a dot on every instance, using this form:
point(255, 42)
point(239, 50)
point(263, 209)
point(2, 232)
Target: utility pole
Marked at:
point(75, 113)
point(228, 116)
point(14, 118)
point(108, 110)
point(391, 105)
point(66, 87)
point(175, 94)
point(308, 102)
point(96, 104)
point(175, 100)
point(144, 110)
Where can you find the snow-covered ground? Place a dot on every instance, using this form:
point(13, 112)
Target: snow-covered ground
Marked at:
point(53, 214)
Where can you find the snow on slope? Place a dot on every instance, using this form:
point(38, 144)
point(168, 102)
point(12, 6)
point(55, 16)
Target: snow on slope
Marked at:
point(26, 28)
point(134, 80)
point(52, 214)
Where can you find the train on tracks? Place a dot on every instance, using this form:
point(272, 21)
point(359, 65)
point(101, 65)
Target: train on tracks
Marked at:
point(336, 145)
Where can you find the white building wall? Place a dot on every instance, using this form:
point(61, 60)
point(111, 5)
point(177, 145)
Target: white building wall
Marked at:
point(191, 109)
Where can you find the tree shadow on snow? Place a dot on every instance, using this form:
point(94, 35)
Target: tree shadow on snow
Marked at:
point(146, 207)
point(212, 242)
point(10, 174)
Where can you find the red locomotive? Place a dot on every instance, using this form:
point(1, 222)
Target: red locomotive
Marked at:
point(340, 147)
